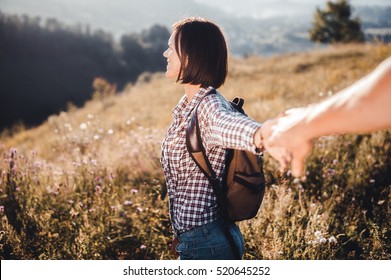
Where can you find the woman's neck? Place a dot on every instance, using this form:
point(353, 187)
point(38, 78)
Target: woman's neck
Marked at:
point(191, 90)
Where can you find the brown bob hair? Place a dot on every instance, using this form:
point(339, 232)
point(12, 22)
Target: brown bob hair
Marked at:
point(202, 51)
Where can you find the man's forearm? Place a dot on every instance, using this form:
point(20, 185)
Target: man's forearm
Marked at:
point(363, 107)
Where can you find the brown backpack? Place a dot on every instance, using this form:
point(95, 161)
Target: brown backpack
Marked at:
point(240, 193)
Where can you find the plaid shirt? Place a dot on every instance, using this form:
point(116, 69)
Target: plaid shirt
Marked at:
point(191, 198)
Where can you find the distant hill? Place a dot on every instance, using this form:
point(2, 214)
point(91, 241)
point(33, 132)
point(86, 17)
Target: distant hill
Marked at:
point(374, 16)
point(376, 22)
point(49, 65)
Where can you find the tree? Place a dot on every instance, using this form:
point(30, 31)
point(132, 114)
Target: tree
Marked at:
point(334, 24)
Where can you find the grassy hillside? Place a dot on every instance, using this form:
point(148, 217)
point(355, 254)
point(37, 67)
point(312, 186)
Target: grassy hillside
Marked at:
point(87, 184)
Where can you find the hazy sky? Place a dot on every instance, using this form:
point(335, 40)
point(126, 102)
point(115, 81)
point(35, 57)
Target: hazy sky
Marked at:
point(252, 8)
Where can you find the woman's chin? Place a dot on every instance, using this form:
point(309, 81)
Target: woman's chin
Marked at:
point(170, 75)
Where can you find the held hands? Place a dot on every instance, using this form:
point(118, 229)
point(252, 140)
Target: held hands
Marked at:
point(286, 139)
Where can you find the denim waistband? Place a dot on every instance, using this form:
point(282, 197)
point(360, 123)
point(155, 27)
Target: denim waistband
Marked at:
point(202, 230)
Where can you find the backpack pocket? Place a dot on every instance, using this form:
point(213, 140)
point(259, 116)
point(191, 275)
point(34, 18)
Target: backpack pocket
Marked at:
point(254, 181)
point(245, 195)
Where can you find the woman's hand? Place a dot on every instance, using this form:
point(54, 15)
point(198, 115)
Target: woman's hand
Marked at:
point(288, 134)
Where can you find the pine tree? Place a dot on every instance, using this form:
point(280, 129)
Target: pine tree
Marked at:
point(334, 24)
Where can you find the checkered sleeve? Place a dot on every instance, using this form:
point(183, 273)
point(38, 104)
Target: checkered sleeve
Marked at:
point(224, 126)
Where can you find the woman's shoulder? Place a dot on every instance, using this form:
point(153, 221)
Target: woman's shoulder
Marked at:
point(213, 102)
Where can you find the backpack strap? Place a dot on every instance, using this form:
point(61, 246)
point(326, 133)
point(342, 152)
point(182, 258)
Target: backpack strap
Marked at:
point(194, 144)
point(198, 153)
point(238, 103)
point(194, 141)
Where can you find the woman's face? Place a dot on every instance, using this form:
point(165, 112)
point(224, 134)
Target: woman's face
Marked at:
point(173, 62)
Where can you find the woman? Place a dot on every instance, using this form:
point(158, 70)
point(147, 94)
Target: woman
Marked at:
point(197, 58)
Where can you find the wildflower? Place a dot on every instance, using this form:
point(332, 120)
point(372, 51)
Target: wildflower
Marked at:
point(68, 126)
point(332, 239)
point(1, 208)
point(93, 161)
point(91, 210)
point(139, 209)
point(372, 181)
point(96, 137)
point(143, 247)
point(331, 172)
point(128, 202)
point(296, 181)
point(322, 240)
point(73, 213)
point(110, 131)
point(318, 234)
point(380, 202)
point(90, 116)
point(134, 191)
point(99, 179)
point(335, 161)
point(83, 126)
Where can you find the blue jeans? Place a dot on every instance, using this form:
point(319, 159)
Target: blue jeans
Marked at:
point(209, 242)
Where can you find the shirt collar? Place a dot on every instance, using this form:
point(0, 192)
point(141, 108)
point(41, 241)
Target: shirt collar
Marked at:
point(184, 107)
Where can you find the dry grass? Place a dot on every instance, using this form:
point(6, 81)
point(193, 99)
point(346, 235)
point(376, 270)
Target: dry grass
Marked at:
point(87, 184)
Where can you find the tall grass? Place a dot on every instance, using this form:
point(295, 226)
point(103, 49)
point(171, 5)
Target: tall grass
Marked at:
point(87, 184)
